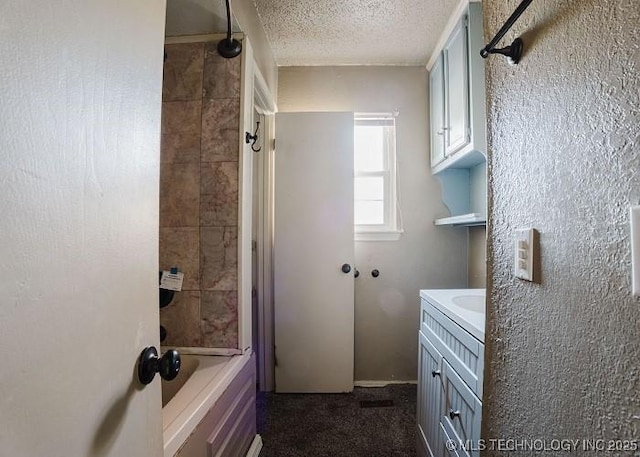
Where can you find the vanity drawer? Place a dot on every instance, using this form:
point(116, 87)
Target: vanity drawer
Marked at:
point(463, 352)
point(462, 413)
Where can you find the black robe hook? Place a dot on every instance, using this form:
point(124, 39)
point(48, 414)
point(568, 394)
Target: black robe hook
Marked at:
point(249, 138)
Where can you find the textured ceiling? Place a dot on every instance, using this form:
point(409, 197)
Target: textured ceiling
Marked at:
point(353, 32)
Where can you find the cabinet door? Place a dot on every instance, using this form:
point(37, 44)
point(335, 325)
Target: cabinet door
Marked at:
point(437, 111)
point(456, 57)
point(430, 396)
point(462, 412)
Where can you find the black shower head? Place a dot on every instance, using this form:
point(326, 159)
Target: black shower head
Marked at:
point(229, 48)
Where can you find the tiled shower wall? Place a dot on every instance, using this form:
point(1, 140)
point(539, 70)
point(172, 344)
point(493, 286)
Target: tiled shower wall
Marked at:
point(199, 194)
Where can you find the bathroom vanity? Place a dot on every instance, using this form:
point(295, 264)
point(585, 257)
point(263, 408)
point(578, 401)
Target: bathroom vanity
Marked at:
point(450, 371)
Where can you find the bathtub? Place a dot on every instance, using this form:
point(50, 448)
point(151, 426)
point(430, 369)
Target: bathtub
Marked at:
point(210, 405)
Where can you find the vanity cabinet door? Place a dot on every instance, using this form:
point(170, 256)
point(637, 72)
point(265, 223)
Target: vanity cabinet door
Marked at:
point(462, 412)
point(456, 58)
point(437, 111)
point(430, 397)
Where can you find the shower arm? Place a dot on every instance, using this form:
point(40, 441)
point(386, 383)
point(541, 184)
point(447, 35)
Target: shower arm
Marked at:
point(513, 51)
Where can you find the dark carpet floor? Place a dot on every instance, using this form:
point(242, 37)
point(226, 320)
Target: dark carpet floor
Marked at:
point(337, 425)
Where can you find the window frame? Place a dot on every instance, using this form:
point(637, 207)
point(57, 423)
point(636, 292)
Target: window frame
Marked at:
point(390, 229)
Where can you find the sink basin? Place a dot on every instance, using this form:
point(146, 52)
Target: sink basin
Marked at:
point(474, 303)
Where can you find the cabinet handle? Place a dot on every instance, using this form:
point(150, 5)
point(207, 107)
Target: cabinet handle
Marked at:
point(453, 414)
point(435, 373)
point(441, 132)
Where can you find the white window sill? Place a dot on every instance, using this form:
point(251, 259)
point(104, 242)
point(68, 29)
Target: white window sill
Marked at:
point(393, 235)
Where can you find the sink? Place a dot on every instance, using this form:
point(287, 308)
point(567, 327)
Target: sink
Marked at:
point(474, 303)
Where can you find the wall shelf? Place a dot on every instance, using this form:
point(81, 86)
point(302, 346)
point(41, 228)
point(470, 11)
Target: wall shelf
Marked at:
point(468, 220)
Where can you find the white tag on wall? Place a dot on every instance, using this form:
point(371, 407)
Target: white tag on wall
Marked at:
point(172, 281)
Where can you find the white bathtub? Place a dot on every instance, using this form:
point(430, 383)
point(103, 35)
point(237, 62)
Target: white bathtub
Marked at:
point(196, 391)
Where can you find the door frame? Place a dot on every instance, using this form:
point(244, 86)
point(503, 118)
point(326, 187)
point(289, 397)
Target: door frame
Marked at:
point(260, 99)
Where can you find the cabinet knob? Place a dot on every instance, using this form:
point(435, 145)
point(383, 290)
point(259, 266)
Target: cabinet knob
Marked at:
point(435, 373)
point(346, 268)
point(453, 414)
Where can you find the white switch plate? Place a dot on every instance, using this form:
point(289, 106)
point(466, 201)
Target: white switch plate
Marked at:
point(525, 247)
point(635, 250)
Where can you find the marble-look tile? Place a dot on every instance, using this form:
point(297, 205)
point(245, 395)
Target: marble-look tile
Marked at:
point(183, 72)
point(218, 258)
point(182, 320)
point(180, 247)
point(219, 193)
point(220, 319)
point(221, 76)
point(181, 124)
point(179, 195)
point(220, 124)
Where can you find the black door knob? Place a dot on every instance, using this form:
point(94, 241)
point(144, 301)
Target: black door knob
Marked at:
point(346, 268)
point(149, 364)
point(375, 273)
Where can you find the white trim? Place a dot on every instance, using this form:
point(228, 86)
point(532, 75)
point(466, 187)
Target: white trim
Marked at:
point(245, 199)
point(226, 352)
point(201, 38)
point(381, 383)
point(378, 236)
point(256, 447)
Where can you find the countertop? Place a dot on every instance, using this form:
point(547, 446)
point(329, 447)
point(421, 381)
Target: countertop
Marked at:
point(472, 321)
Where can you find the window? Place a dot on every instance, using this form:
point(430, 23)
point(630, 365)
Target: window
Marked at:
point(375, 203)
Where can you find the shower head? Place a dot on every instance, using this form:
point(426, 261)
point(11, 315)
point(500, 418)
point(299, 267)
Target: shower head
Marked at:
point(229, 48)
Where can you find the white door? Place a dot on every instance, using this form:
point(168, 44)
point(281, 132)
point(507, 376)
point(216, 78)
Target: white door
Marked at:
point(314, 303)
point(81, 85)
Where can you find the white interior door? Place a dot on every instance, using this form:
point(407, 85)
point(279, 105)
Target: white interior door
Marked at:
point(80, 85)
point(314, 302)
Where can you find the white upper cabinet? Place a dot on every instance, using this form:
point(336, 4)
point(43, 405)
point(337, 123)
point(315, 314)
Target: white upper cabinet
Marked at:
point(457, 91)
point(436, 93)
point(458, 118)
point(456, 54)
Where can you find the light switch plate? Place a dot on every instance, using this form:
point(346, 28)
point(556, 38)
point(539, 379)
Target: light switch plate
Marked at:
point(525, 253)
point(634, 217)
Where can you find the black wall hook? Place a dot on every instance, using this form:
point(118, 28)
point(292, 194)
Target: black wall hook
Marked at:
point(249, 138)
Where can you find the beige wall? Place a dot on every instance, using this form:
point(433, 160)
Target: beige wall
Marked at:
point(426, 256)
point(562, 356)
point(477, 257)
point(199, 194)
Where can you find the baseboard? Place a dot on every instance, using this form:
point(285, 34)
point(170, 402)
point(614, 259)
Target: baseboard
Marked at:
point(256, 447)
point(381, 383)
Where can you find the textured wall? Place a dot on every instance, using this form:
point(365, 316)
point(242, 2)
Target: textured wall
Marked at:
point(564, 143)
point(199, 194)
point(426, 256)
